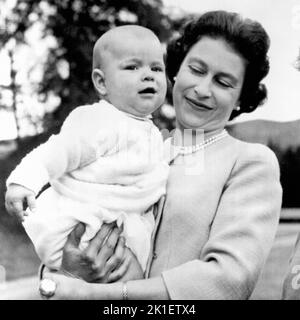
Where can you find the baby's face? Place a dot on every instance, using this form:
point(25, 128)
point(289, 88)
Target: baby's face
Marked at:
point(134, 75)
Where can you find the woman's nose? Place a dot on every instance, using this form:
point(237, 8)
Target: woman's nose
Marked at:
point(203, 88)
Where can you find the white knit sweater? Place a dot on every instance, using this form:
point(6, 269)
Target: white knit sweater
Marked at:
point(101, 157)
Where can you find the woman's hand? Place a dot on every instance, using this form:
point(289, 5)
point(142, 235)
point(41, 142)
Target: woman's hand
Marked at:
point(104, 254)
point(130, 269)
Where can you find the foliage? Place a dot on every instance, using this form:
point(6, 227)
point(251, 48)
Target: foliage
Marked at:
point(76, 25)
point(290, 173)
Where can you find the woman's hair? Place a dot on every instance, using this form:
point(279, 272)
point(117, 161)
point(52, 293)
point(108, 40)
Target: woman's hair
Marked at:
point(247, 37)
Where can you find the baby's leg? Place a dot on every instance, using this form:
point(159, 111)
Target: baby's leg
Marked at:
point(138, 230)
point(50, 225)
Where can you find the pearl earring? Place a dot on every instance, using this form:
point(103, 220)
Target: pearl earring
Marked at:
point(174, 79)
point(238, 108)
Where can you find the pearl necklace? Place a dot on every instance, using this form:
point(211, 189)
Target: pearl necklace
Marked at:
point(202, 145)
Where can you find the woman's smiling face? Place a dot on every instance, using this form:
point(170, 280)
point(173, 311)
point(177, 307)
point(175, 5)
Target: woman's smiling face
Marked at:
point(208, 85)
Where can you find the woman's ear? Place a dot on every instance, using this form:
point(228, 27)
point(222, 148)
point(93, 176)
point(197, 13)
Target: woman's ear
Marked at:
point(99, 81)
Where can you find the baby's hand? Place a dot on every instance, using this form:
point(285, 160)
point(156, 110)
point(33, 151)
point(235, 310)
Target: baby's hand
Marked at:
point(17, 198)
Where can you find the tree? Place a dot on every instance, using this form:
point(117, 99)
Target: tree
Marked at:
point(76, 25)
point(290, 173)
point(14, 89)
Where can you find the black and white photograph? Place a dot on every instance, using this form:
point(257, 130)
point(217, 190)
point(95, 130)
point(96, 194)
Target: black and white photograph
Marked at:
point(149, 150)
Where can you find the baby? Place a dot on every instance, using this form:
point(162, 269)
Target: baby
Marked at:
point(106, 164)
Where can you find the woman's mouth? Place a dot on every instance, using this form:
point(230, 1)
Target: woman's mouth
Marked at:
point(197, 104)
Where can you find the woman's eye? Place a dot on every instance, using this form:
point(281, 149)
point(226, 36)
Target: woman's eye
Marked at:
point(197, 69)
point(225, 84)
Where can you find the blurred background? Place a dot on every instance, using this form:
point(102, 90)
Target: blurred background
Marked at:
point(45, 58)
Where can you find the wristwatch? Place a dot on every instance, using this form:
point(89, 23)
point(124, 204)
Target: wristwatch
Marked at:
point(47, 288)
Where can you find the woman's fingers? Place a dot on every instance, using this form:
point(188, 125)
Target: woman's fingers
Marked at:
point(98, 259)
point(109, 245)
point(75, 236)
point(90, 263)
point(116, 261)
point(117, 257)
point(119, 273)
point(98, 241)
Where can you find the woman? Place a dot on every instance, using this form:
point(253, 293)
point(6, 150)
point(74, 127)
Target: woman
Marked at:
point(219, 222)
point(291, 283)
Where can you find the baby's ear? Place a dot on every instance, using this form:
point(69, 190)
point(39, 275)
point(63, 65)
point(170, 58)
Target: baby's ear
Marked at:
point(98, 81)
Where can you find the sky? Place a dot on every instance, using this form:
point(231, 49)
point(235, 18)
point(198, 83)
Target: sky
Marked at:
point(280, 18)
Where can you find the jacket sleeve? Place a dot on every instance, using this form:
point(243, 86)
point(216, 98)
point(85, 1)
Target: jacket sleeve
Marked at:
point(241, 234)
point(79, 143)
point(291, 284)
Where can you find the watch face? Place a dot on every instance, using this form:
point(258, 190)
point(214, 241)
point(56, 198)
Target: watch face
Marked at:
point(47, 288)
